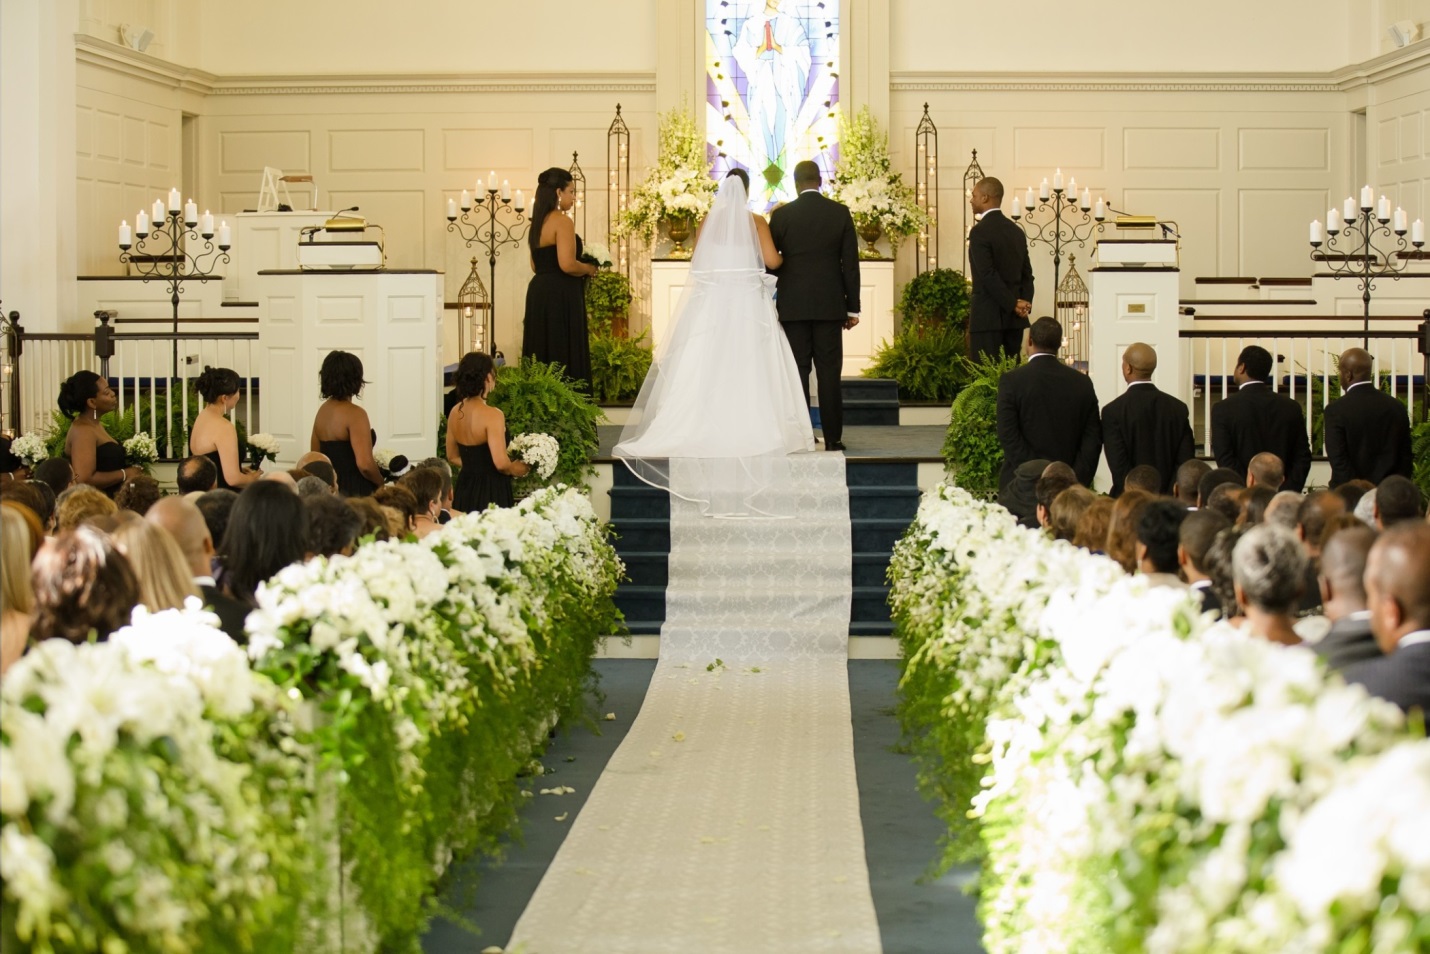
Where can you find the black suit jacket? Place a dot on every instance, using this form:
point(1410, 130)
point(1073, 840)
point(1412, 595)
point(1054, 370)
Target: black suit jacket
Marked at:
point(1367, 436)
point(1001, 271)
point(1208, 599)
point(1146, 426)
point(1403, 677)
point(231, 613)
point(819, 277)
point(1257, 419)
point(1349, 641)
point(1046, 409)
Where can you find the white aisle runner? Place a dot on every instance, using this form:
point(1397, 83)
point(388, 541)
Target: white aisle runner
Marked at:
point(728, 819)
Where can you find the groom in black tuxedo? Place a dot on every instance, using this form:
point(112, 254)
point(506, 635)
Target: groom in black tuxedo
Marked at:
point(818, 292)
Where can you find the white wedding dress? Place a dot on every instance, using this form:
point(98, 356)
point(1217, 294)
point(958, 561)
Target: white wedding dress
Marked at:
point(722, 408)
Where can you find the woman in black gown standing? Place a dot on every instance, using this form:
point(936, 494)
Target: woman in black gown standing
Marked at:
point(477, 439)
point(555, 327)
point(341, 429)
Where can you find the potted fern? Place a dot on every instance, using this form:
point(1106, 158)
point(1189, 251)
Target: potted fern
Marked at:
point(926, 355)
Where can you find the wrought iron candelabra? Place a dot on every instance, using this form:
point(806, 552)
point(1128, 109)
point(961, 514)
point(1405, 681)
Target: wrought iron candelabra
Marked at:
point(1367, 243)
point(1058, 217)
point(162, 250)
point(492, 223)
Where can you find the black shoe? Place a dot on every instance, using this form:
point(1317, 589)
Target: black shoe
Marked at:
point(834, 445)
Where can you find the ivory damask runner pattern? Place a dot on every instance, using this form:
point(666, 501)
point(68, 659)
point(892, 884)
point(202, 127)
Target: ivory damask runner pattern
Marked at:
point(728, 820)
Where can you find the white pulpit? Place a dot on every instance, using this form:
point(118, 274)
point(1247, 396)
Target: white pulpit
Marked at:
point(264, 241)
point(1134, 296)
point(876, 294)
point(392, 320)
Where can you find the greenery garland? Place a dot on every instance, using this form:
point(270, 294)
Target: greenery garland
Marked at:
point(971, 450)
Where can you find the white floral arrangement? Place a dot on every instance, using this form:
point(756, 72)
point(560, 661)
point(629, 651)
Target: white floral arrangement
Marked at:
point(31, 448)
point(678, 187)
point(140, 450)
point(866, 182)
point(382, 456)
point(265, 446)
point(540, 451)
point(597, 254)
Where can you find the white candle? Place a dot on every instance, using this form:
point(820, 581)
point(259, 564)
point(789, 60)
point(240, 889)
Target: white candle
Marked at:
point(191, 213)
point(1333, 221)
point(1017, 207)
point(505, 189)
point(206, 226)
point(158, 213)
point(124, 236)
point(1402, 221)
point(1382, 211)
point(141, 223)
point(520, 200)
point(492, 181)
point(451, 208)
point(224, 235)
point(1043, 188)
point(1086, 199)
point(1316, 235)
point(1417, 232)
point(1367, 197)
point(175, 200)
point(1100, 210)
point(1030, 202)
point(466, 200)
point(1351, 211)
point(1058, 179)
point(1072, 189)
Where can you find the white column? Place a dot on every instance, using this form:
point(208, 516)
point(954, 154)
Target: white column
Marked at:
point(37, 164)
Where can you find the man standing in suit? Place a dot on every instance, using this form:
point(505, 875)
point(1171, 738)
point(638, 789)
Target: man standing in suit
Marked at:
point(1397, 587)
point(1002, 276)
point(1257, 419)
point(1367, 430)
point(1145, 425)
point(1046, 409)
point(818, 291)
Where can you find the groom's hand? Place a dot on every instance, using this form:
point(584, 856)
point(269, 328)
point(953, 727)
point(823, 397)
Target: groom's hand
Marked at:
point(850, 322)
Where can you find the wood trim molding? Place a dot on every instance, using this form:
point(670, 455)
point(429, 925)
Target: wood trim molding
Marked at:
point(919, 82)
point(368, 84)
point(93, 51)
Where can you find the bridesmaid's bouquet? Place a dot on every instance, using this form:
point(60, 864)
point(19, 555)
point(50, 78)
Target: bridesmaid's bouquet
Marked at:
point(31, 448)
point(262, 447)
point(141, 451)
point(596, 254)
point(539, 451)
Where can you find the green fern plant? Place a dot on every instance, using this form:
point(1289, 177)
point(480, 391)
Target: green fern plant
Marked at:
point(926, 358)
point(537, 398)
point(971, 450)
point(618, 366)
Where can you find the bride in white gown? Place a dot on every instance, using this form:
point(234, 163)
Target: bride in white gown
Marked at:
point(722, 409)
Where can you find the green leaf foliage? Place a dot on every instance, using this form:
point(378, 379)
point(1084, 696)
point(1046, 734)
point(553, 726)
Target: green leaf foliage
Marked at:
point(940, 295)
point(926, 358)
point(971, 450)
point(1420, 454)
point(618, 366)
point(608, 296)
point(538, 399)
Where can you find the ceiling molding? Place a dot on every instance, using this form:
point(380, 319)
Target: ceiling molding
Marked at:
point(1388, 66)
point(121, 59)
point(368, 84)
point(1115, 82)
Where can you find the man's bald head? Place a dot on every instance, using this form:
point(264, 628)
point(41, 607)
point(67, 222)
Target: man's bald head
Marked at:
point(283, 477)
point(1139, 361)
point(185, 523)
point(1343, 570)
point(1266, 470)
point(1397, 583)
point(991, 189)
point(311, 456)
point(1356, 365)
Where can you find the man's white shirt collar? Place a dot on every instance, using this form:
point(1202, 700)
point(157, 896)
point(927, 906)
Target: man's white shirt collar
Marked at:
point(204, 581)
point(1356, 385)
point(1247, 384)
point(1413, 639)
point(1133, 384)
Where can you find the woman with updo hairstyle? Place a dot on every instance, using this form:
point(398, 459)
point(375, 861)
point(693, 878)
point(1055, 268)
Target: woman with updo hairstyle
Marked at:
point(477, 439)
point(214, 435)
point(83, 585)
point(555, 327)
point(341, 429)
point(97, 458)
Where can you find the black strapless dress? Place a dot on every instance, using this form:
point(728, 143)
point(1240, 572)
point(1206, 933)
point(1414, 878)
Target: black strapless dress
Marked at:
point(218, 466)
point(351, 482)
point(555, 326)
point(109, 456)
point(480, 485)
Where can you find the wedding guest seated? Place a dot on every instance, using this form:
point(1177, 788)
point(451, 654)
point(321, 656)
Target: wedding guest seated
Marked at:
point(47, 515)
point(183, 521)
point(400, 499)
point(332, 526)
point(214, 435)
point(1365, 509)
point(1342, 585)
point(215, 506)
point(1214, 479)
point(1397, 586)
point(12, 468)
point(1158, 539)
point(1316, 510)
point(372, 518)
point(283, 479)
point(1019, 495)
point(17, 597)
point(79, 504)
point(341, 428)
point(1396, 500)
point(1353, 490)
point(323, 471)
point(24, 493)
point(425, 483)
point(57, 472)
point(1253, 510)
point(1144, 477)
point(311, 486)
point(32, 523)
point(1194, 538)
point(83, 586)
point(1056, 478)
point(1266, 470)
point(196, 475)
point(138, 494)
point(312, 457)
point(1092, 526)
point(1226, 500)
point(1067, 510)
point(1217, 564)
point(1269, 570)
point(1189, 477)
point(445, 469)
point(1283, 510)
point(164, 578)
point(267, 531)
point(1122, 528)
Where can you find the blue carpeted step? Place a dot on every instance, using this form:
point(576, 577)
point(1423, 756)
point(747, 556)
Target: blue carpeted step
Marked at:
point(871, 569)
point(644, 627)
point(870, 402)
point(641, 602)
point(642, 501)
point(868, 628)
point(883, 501)
point(865, 473)
point(879, 534)
point(870, 604)
point(869, 389)
point(642, 534)
point(647, 568)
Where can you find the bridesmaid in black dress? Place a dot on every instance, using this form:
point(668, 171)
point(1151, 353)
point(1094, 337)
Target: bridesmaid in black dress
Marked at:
point(214, 435)
point(97, 458)
point(555, 327)
point(341, 428)
point(477, 439)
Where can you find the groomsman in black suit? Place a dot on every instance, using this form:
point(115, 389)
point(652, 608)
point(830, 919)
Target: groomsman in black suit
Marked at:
point(1047, 409)
point(1397, 586)
point(1367, 430)
point(1145, 425)
point(818, 291)
point(1002, 276)
point(1256, 419)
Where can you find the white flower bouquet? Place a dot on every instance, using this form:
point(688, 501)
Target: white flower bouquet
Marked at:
point(263, 447)
point(678, 187)
point(382, 456)
point(596, 254)
point(140, 450)
point(540, 451)
point(31, 448)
